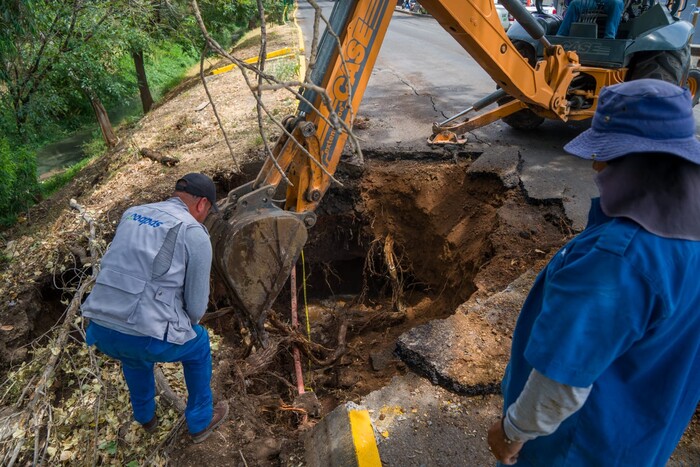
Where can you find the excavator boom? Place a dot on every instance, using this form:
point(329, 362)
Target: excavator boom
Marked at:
point(257, 240)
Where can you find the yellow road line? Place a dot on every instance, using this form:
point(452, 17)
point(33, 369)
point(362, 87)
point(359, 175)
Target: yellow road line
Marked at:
point(281, 53)
point(363, 439)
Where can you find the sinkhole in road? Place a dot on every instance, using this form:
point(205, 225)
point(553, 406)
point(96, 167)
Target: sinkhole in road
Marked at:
point(403, 241)
point(404, 226)
point(406, 239)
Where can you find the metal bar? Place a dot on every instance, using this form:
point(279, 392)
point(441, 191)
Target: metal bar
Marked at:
point(478, 105)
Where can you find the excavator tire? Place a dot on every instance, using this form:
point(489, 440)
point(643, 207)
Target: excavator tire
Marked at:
point(693, 85)
point(667, 65)
point(524, 119)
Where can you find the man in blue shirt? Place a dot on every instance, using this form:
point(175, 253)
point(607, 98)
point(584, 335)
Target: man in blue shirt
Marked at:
point(148, 298)
point(605, 360)
point(613, 9)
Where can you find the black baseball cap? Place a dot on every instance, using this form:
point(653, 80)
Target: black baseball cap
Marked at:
point(198, 184)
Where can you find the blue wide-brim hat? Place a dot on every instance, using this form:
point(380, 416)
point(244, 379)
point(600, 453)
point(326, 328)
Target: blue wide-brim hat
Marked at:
point(645, 115)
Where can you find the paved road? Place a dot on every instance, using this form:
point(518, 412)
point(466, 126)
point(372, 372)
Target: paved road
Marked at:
point(422, 75)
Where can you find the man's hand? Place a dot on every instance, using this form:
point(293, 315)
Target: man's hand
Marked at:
point(504, 451)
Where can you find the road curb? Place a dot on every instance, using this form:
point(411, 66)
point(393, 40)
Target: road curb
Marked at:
point(300, 38)
point(345, 437)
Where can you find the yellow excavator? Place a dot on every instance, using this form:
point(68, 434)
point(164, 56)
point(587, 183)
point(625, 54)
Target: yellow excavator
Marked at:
point(257, 240)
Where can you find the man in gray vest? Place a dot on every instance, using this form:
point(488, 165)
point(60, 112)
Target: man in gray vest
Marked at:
point(152, 290)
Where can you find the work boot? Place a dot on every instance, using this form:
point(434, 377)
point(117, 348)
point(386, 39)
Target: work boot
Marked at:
point(151, 426)
point(220, 414)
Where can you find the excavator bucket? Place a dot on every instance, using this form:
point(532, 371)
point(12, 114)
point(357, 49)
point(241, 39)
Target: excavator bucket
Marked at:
point(447, 137)
point(254, 253)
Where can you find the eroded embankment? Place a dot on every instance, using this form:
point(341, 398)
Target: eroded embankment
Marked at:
point(401, 243)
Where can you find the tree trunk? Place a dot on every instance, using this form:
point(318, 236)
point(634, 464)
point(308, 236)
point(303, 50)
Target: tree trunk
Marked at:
point(144, 90)
point(20, 114)
point(103, 119)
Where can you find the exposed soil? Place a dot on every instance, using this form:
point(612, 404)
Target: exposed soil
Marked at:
point(402, 242)
point(447, 235)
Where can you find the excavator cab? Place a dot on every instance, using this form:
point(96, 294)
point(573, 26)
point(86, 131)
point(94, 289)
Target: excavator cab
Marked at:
point(651, 42)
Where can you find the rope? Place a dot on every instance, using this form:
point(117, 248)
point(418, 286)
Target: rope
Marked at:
point(306, 311)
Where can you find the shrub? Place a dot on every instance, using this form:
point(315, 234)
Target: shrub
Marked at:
point(18, 182)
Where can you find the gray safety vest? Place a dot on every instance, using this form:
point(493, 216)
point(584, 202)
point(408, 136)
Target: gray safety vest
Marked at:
point(133, 290)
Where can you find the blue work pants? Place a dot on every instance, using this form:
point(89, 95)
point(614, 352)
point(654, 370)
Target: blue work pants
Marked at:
point(613, 8)
point(138, 354)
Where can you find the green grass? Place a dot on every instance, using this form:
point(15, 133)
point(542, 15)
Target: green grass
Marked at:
point(286, 69)
point(53, 184)
point(167, 66)
point(93, 148)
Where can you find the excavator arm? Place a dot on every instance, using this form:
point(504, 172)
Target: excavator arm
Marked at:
point(256, 239)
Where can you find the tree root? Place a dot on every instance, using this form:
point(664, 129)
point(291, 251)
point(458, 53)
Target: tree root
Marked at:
point(216, 314)
point(310, 349)
point(167, 392)
point(394, 271)
point(396, 283)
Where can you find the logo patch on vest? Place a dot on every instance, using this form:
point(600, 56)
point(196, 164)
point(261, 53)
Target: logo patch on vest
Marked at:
point(143, 220)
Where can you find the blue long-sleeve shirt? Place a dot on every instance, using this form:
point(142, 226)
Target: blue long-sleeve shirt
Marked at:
point(615, 309)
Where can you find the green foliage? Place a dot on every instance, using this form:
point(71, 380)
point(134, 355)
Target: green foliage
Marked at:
point(167, 66)
point(67, 51)
point(57, 54)
point(275, 11)
point(18, 183)
point(7, 180)
point(53, 53)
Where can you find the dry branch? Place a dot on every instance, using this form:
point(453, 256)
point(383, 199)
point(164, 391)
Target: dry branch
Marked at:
point(158, 157)
point(216, 314)
point(92, 240)
point(213, 108)
point(81, 254)
point(33, 410)
point(167, 392)
point(337, 123)
point(33, 415)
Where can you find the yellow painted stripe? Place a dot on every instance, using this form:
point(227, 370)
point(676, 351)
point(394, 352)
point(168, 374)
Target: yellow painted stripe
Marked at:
point(286, 52)
point(300, 34)
point(277, 53)
point(363, 439)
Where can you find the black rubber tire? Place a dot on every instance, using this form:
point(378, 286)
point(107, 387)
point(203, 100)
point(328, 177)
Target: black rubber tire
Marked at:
point(524, 119)
point(668, 65)
point(693, 84)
